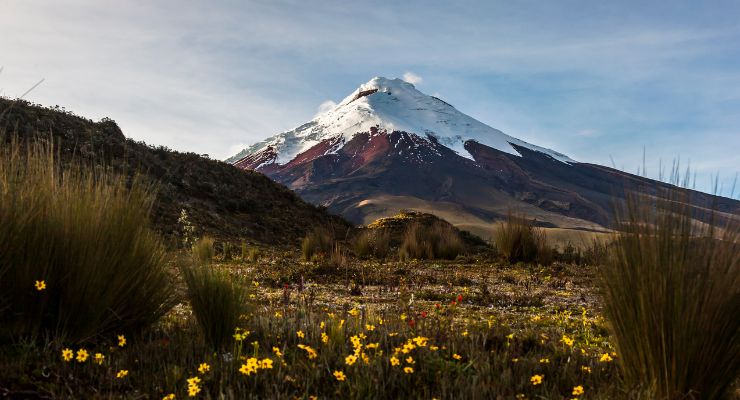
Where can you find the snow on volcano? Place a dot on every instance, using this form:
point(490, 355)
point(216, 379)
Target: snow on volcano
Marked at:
point(388, 105)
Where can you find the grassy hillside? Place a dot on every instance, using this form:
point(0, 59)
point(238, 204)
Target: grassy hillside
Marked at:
point(221, 200)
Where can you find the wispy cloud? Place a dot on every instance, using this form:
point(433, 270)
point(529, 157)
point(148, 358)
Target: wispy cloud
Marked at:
point(412, 78)
point(325, 106)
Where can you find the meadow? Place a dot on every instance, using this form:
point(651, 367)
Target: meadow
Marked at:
point(94, 305)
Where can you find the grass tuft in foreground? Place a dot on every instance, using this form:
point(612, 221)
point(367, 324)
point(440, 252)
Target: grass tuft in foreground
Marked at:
point(218, 300)
point(77, 256)
point(672, 295)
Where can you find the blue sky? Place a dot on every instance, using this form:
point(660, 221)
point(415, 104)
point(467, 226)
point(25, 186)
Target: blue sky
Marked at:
point(594, 80)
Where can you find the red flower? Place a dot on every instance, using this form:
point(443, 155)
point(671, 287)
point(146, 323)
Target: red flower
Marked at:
point(459, 298)
point(411, 323)
point(423, 314)
point(438, 306)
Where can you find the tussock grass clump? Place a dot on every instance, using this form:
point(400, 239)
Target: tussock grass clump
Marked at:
point(372, 243)
point(203, 251)
point(227, 251)
point(672, 296)
point(438, 241)
point(319, 242)
point(517, 239)
point(251, 254)
point(218, 300)
point(77, 256)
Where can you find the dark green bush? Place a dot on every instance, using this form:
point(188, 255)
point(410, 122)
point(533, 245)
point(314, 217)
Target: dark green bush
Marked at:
point(86, 234)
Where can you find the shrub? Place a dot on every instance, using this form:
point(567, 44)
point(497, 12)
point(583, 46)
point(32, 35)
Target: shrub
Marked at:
point(372, 243)
point(440, 240)
point(86, 235)
point(187, 228)
point(218, 300)
point(203, 251)
point(517, 239)
point(672, 292)
point(595, 253)
point(318, 242)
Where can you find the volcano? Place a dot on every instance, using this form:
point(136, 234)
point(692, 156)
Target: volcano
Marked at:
point(388, 146)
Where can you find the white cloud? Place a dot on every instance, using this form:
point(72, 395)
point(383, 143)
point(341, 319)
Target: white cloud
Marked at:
point(412, 78)
point(588, 133)
point(325, 106)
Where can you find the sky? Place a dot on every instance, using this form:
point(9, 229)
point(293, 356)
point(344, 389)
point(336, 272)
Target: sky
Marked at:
point(597, 81)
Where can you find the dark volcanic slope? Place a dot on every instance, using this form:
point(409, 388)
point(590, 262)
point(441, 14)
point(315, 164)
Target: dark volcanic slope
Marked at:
point(222, 200)
point(404, 165)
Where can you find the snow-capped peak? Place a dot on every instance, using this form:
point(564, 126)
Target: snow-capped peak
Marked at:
point(391, 105)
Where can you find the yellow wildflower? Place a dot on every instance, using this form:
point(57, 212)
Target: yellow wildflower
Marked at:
point(170, 396)
point(278, 314)
point(403, 317)
point(277, 351)
point(395, 361)
point(350, 359)
point(99, 358)
point(354, 312)
point(586, 369)
point(536, 379)
point(578, 390)
point(203, 368)
point(310, 352)
point(605, 358)
point(122, 374)
point(250, 367)
point(370, 327)
point(40, 285)
point(67, 355)
point(301, 334)
point(410, 360)
point(408, 370)
point(544, 360)
point(568, 341)
point(82, 355)
point(322, 325)
point(266, 363)
point(121, 340)
point(193, 390)
point(340, 375)
point(457, 356)
point(324, 337)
